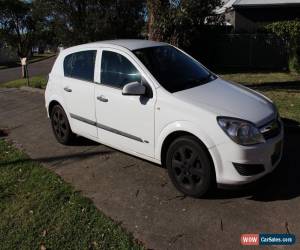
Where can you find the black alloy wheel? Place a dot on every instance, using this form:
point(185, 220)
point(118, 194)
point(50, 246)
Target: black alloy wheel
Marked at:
point(189, 166)
point(61, 126)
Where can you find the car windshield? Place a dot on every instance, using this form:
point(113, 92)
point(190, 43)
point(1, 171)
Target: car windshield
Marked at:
point(174, 70)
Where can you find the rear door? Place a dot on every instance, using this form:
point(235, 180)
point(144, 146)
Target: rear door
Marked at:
point(78, 86)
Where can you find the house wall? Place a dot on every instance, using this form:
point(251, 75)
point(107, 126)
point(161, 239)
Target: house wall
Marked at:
point(270, 14)
point(247, 19)
point(240, 22)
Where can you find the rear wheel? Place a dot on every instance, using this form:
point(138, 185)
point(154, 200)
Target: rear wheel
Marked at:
point(189, 166)
point(60, 125)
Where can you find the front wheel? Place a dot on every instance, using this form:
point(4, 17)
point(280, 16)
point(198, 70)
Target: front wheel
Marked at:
point(189, 166)
point(60, 125)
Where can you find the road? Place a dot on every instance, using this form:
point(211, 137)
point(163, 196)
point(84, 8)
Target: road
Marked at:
point(38, 68)
point(139, 195)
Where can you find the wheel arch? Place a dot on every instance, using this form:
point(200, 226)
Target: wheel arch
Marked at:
point(55, 99)
point(51, 106)
point(167, 142)
point(177, 129)
point(176, 134)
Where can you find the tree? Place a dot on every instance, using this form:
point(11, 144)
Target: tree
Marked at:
point(44, 35)
point(177, 21)
point(289, 31)
point(156, 11)
point(82, 21)
point(17, 26)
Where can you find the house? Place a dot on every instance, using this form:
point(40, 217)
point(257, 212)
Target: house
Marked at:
point(247, 15)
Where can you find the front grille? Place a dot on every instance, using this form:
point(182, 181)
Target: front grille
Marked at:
point(271, 130)
point(249, 169)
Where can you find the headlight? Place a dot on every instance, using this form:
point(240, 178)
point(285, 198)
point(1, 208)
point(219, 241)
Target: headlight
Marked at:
point(240, 131)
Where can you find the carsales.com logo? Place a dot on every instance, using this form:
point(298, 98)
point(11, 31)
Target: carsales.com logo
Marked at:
point(267, 239)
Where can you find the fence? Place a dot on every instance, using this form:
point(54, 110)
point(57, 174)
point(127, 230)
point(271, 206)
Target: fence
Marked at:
point(243, 51)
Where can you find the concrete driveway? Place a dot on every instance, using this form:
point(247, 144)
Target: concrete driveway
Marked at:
point(139, 195)
point(38, 68)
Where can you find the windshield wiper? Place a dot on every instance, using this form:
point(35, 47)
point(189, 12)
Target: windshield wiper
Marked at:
point(208, 77)
point(200, 81)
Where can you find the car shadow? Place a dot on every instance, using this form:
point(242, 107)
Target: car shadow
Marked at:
point(283, 183)
point(82, 141)
point(60, 158)
point(276, 86)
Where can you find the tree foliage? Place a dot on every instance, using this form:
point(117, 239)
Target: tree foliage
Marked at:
point(69, 22)
point(289, 31)
point(17, 25)
point(177, 21)
point(81, 21)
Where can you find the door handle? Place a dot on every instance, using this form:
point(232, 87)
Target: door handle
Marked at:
point(67, 89)
point(102, 98)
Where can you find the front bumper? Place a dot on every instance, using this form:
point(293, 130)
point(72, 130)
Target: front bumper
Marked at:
point(228, 155)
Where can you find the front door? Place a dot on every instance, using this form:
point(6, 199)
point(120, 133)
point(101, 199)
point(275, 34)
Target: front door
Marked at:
point(124, 122)
point(78, 88)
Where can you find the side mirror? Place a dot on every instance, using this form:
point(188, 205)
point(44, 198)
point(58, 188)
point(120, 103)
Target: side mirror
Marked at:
point(134, 88)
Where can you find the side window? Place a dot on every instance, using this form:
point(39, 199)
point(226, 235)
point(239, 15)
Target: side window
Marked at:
point(68, 65)
point(117, 70)
point(80, 65)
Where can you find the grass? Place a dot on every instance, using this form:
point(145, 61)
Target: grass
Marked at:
point(283, 88)
point(287, 102)
point(40, 57)
point(34, 58)
point(261, 78)
point(35, 82)
point(38, 210)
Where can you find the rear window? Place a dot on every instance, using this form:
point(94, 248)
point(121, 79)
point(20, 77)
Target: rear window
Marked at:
point(80, 65)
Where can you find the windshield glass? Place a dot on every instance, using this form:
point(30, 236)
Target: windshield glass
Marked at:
point(174, 70)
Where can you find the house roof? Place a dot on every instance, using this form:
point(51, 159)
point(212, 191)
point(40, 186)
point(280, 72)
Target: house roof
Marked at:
point(227, 4)
point(254, 3)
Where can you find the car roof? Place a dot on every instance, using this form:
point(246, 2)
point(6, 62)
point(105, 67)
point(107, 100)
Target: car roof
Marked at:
point(130, 44)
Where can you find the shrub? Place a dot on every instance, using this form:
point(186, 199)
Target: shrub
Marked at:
point(289, 31)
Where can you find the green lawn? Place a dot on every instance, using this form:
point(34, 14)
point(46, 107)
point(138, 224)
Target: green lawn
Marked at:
point(288, 103)
point(34, 58)
point(40, 57)
point(39, 210)
point(282, 88)
point(262, 78)
point(36, 82)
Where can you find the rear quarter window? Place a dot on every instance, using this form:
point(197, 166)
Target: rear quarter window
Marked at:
point(80, 65)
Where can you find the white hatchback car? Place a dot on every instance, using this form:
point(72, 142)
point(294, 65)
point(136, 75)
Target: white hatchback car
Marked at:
point(154, 101)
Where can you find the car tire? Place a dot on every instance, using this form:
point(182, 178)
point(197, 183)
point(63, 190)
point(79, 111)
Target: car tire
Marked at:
point(190, 167)
point(60, 126)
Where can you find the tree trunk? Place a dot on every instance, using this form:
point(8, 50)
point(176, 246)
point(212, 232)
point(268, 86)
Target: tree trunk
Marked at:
point(155, 10)
point(23, 66)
